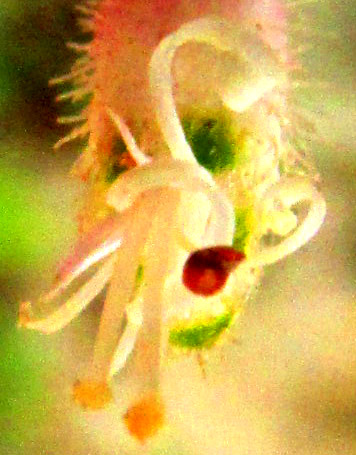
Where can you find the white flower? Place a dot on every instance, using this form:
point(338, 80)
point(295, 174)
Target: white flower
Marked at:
point(170, 207)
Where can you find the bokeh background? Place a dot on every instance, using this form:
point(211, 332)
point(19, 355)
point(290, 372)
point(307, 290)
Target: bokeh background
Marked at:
point(287, 384)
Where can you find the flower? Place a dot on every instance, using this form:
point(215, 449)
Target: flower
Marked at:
point(182, 229)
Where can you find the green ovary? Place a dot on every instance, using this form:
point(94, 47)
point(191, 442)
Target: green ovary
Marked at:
point(203, 334)
point(212, 143)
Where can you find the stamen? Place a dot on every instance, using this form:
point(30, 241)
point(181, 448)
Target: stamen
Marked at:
point(195, 212)
point(146, 417)
point(68, 311)
point(83, 256)
point(140, 158)
point(78, 72)
point(121, 291)
point(92, 395)
point(128, 338)
point(85, 162)
point(241, 95)
point(61, 79)
point(90, 260)
point(82, 62)
point(87, 25)
point(221, 225)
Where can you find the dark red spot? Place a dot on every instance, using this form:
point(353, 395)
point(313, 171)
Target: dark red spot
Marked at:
point(206, 271)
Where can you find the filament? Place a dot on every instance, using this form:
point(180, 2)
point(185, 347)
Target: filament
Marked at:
point(75, 305)
point(140, 158)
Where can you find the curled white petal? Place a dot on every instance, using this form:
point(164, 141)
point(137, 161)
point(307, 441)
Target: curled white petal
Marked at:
point(241, 95)
point(289, 192)
point(190, 177)
point(210, 220)
point(162, 172)
point(225, 36)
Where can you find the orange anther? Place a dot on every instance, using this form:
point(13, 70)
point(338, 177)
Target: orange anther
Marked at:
point(91, 394)
point(145, 418)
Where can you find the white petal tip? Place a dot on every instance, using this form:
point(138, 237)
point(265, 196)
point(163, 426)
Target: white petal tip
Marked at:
point(240, 97)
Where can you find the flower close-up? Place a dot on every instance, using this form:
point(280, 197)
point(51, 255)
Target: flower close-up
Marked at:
point(189, 310)
point(195, 185)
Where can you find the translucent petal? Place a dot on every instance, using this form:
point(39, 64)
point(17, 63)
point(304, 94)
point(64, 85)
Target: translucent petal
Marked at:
point(167, 172)
point(289, 192)
point(244, 43)
point(163, 172)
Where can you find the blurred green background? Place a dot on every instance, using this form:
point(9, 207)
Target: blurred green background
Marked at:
point(288, 386)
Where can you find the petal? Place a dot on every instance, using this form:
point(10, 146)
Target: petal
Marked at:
point(263, 70)
point(163, 172)
point(193, 217)
point(291, 191)
point(221, 226)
